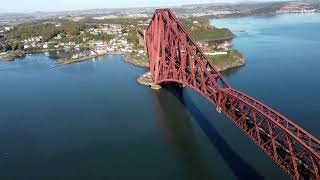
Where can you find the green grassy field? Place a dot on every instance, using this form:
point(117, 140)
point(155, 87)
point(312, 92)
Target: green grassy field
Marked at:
point(203, 31)
point(225, 59)
point(137, 59)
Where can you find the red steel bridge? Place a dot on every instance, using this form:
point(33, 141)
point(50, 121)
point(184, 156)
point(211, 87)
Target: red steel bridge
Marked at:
point(175, 57)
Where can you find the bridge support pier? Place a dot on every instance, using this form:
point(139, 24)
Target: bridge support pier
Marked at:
point(145, 79)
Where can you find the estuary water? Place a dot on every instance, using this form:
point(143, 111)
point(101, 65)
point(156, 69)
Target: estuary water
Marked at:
point(91, 120)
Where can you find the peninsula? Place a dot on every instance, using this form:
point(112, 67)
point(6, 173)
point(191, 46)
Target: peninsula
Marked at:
point(215, 42)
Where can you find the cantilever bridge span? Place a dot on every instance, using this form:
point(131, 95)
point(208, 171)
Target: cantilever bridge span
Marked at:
point(175, 57)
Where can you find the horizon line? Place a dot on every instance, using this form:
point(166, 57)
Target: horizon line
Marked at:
point(137, 7)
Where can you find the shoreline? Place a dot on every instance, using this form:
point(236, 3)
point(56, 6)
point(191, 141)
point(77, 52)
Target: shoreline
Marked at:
point(24, 53)
point(135, 62)
point(18, 54)
point(240, 62)
point(71, 62)
point(9, 58)
point(65, 61)
point(227, 38)
point(126, 58)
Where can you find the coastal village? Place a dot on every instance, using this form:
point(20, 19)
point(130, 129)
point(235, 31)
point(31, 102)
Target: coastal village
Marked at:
point(117, 38)
point(90, 47)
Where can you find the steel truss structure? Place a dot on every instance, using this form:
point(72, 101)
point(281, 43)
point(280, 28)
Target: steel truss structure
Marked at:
point(175, 57)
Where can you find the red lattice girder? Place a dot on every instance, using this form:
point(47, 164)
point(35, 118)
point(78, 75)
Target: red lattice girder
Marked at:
point(175, 57)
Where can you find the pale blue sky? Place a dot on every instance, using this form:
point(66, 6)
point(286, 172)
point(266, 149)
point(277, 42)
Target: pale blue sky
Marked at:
point(58, 5)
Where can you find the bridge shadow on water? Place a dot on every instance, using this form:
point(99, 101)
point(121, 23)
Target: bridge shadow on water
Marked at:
point(239, 167)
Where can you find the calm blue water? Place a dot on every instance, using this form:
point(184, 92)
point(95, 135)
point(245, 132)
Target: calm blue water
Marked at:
point(91, 120)
point(283, 60)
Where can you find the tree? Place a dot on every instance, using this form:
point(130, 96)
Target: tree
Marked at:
point(7, 47)
point(50, 33)
point(1, 48)
point(124, 31)
point(72, 29)
point(21, 47)
point(132, 38)
point(15, 46)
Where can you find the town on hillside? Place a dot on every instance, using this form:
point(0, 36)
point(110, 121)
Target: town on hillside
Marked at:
point(92, 37)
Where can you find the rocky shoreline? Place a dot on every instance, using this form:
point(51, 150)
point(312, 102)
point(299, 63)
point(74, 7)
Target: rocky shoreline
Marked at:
point(12, 56)
point(146, 80)
point(64, 61)
point(144, 64)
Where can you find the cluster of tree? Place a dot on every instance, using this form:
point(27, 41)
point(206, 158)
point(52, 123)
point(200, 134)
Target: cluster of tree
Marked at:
point(69, 31)
point(9, 47)
point(133, 38)
point(46, 30)
point(122, 21)
point(100, 37)
point(73, 28)
point(17, 46)
point(26, 31)
point(201, 30)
